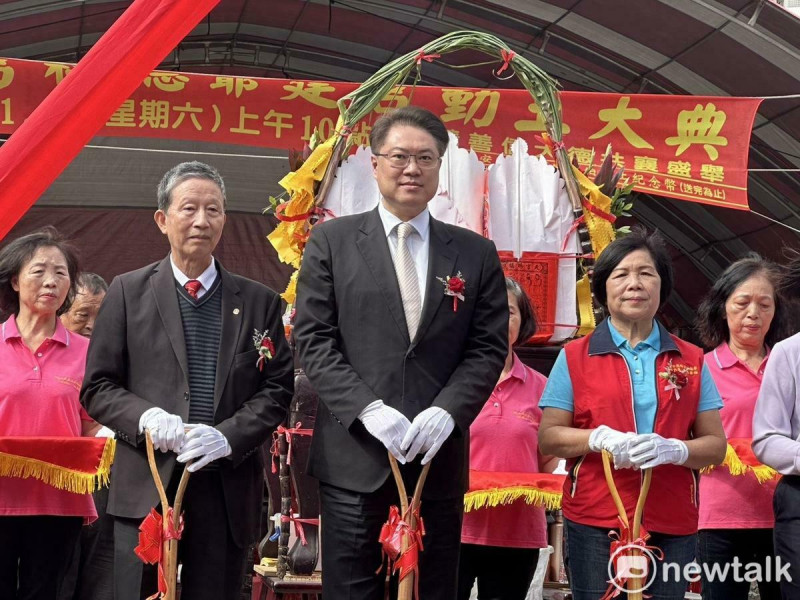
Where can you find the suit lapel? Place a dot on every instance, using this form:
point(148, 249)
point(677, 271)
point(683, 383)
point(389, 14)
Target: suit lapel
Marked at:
point(163, 285)
point(441, 261)
point(374, 248)
point(232, 319)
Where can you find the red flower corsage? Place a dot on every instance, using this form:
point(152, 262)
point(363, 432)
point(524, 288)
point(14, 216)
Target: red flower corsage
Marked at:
point(677, 376)
point(265, 347)
point(454, 285)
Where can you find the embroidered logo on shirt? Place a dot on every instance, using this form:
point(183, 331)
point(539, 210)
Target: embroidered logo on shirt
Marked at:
point(70, 381)
point(525, 416)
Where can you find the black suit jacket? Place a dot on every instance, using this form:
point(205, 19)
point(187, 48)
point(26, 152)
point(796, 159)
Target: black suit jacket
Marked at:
point(137, 360)
point(354, 345)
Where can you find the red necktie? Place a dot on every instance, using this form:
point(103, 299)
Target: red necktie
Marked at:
point(193, 286)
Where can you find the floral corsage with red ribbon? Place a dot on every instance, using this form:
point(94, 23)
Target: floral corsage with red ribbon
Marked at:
point(265, 347)
point(454, 285)
point(676, 376)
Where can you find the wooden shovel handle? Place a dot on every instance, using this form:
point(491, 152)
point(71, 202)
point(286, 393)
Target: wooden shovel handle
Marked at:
point(635, 583)
point(405, 588)
point(151, 460)
point(612, 487)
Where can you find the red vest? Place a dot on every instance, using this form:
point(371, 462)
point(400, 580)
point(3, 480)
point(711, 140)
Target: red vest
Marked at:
point(602, 391)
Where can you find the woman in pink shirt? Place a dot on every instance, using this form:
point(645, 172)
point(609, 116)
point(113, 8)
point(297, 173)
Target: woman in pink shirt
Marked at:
point(41, 368)
point(500, 545)
point(740, 317)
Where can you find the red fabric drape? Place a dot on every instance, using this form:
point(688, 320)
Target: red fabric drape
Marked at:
point(82, 103)
point(82, 454)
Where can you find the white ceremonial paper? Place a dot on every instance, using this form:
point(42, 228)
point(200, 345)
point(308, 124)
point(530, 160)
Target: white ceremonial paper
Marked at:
point(529, 211)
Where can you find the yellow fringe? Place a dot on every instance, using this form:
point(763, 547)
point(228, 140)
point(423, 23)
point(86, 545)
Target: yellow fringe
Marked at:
point(737, 467)
point(58, 477)
point(497, 496)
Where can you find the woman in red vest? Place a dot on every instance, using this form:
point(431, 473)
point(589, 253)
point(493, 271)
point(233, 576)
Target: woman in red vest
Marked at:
point(645, 396)
point(741, 317)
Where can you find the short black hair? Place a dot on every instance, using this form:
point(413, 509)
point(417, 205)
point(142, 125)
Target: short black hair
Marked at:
point(712, 324)
point(18, 253)
point(92, 283)
point(616, 251)
point(415, 116)
point(527, 318)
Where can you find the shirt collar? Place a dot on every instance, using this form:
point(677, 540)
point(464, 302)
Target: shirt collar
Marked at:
point(10, 330)
point(653, 340)
point(206, 278)
point(421, 222)
point(518, 369)
point(725, 358)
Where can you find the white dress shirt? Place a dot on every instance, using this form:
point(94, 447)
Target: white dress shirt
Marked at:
point(418, 243)
point(206, 279)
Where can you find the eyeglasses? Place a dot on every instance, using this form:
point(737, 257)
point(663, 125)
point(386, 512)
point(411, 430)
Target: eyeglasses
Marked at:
point(399, 160)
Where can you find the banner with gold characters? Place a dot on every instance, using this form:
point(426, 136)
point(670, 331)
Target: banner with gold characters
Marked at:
point(685, 147)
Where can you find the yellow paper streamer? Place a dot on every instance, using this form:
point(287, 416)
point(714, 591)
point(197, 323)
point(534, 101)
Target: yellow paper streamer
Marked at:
point(59, 477)
point(290, 295)
point(583, 290)
point(287, 237)
point(497, 496)
point(601, 231)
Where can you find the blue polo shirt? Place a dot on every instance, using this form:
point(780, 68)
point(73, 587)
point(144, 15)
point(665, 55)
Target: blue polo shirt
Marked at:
point(641, 362)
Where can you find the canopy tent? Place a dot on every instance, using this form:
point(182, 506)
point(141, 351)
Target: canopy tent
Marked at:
point(693, 47)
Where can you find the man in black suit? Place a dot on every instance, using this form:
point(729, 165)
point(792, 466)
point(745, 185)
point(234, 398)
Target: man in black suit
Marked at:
point(174, 353)
point(402, 362)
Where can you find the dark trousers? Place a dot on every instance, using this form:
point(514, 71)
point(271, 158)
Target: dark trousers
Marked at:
point(34, 554)
point(502, 573)
point(588, 553)
point(786, 536)
point(91, 572)
point(727, 547)
point(351, 553)
point(213, 565)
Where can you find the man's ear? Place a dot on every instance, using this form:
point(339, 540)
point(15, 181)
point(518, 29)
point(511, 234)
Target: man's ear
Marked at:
point(160, 218)
point(374, 160)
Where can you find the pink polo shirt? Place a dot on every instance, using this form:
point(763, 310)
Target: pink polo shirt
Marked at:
point(505, 437)
point(39, 396)
point(728, 501)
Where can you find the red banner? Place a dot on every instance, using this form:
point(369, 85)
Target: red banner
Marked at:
point(62, 122)
point(686, 147)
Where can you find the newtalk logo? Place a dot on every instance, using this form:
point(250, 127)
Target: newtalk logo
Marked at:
point(644, 567)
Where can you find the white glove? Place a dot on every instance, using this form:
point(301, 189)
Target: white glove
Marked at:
point(105, 432)
point(387, 425)
point(618, 443)
point(650, 450)
point(166, 430)
point(204, 443)
point(427, 433)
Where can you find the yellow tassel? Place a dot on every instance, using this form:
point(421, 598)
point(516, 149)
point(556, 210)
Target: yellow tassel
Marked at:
point(503, 496)
point(737, 467)
point(59, 477)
